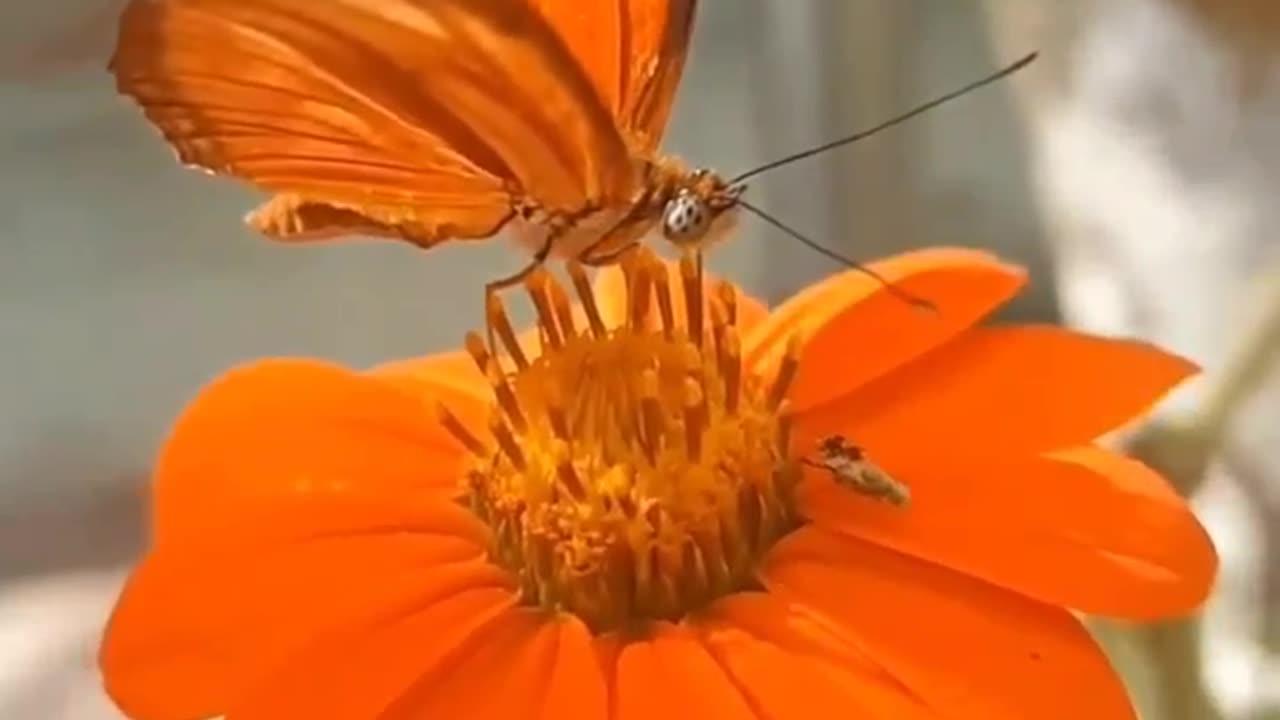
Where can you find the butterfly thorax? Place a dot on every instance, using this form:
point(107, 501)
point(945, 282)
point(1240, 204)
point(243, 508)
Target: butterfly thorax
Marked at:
point(687, 207)
point(693, 207)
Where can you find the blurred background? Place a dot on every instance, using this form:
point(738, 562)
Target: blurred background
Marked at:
point(1134, 169)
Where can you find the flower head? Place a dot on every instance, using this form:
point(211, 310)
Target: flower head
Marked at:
point(667, 500)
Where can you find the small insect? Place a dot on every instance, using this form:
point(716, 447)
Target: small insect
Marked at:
point(849, 465)
point(437, 120)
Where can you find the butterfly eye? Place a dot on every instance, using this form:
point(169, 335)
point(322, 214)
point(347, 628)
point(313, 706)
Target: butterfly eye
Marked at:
point(685, 219)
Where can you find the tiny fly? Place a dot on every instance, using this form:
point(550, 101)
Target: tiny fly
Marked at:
point(849, 466)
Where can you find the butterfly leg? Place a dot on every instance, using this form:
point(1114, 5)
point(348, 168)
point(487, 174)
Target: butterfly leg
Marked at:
point(592, 257)
point(491, 289)
point(539, 258)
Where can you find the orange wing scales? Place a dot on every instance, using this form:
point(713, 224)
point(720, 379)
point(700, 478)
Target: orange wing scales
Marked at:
point(634, 51)
point(292, 218)
point(659, 33)
point(593, 33)
point(424, 119)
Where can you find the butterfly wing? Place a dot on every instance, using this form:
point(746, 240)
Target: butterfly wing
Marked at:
point(419, 118)
point(634, 52)
point(660, 33)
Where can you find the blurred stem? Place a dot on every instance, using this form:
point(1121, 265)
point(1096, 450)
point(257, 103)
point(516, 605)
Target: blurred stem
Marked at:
point(1173, 650)
point(1181, 450)
point(871, 50)
point(1253, 483)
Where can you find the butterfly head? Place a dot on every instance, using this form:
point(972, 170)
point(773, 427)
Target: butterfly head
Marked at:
point(701, 209)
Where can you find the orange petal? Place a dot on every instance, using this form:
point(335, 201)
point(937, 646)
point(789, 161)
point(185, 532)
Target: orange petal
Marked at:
point(611, 292)
point(501, 673)
point(792, 667)
point(1023, 389)
point(290, 427)
point(1107, 538)
point(367, 673)
point(856, 330)
point(449, 378)
point(205, 616)
point(673, 676)
point(576, 689)
point(544, 664)
point(967, 649)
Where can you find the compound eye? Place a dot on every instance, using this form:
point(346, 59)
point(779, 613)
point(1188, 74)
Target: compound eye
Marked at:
point(685, 219)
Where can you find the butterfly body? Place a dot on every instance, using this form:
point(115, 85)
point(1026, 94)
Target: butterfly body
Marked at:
point(687, 208)
point(432, 120)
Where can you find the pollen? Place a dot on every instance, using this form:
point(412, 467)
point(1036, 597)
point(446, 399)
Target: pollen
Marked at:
point(631, 473)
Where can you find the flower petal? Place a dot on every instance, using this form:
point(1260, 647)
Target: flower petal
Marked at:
point(673, 676)
point(1021, 389)
point(366, 672)
point(451, 379)
point(1107, 538)
point(205, 616)
point(611, 292)
point(290, 427)
point(792, 667)
point(576, 689)
point(501, 673)
point(966, 648)
point(855, 329)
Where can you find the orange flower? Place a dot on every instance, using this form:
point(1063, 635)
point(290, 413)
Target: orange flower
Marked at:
point(641, 526)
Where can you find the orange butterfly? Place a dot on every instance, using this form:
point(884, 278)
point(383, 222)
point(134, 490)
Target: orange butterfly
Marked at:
point(432, 120)
point(436, 120)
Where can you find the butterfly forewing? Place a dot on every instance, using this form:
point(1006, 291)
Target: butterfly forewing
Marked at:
point(659, 45)
point(634, 52)
point(435, 115)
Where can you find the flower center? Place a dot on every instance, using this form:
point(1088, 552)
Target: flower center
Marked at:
point(634, 473)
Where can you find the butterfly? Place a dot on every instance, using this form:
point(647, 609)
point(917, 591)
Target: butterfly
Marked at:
point(432, 121)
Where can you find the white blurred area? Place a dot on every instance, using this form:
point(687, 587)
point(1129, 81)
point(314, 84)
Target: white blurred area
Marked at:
point(1133, 168)
point(1154, 143)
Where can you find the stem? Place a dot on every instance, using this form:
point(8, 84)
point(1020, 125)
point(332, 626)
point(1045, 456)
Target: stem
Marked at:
point(1252, 364)
point(1181, 451)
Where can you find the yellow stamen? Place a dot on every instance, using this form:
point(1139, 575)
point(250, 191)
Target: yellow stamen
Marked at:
point(786, 373)
point(651, 415)
point(784, 426)
point(507, 400)
point(498, 321)
point(460, 431)
point(639, 302)
point(693, 420)
point(537, 285)
point(731, 371)
point(555, 415)
point(719, 327)
point(478, 351)
point(582, 285)
point(634, 473)
point(507, 443)
point(691, 278)
point(563, 310)
point(729, 300)
point(569, 478)
point(662, 288)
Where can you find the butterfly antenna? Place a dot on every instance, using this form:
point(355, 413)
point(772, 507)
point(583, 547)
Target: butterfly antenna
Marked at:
point(941, 100)
point(912, 300)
